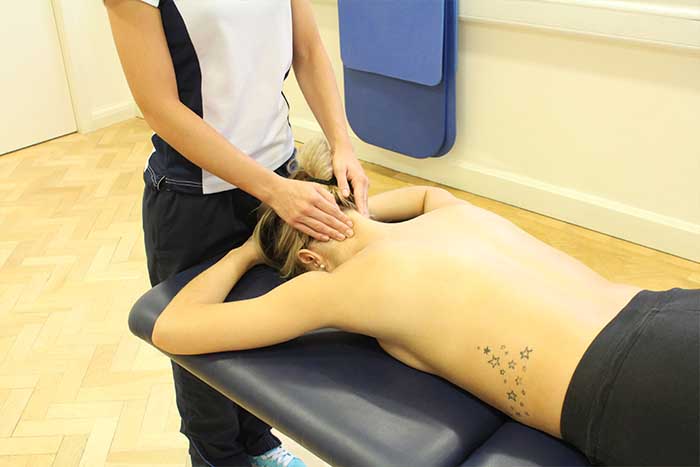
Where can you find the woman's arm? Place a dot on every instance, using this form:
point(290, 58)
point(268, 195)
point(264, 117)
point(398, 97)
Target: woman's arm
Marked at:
point(140, 40)
point(314, 74)
point(196, 321)
point(143, 51)
point(409, 202)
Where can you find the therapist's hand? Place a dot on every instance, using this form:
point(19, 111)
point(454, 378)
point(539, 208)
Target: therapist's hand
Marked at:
point(311, 208)
point(348, 171)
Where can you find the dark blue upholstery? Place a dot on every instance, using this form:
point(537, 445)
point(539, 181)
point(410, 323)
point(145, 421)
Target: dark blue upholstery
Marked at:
point(341, 396)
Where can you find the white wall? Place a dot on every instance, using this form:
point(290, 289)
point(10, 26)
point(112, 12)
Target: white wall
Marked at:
point(670, 22)
point(98, 87)
point(595, 131)
point(598, 132)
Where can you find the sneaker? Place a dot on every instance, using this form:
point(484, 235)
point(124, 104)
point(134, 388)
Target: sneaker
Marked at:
point(277, 457)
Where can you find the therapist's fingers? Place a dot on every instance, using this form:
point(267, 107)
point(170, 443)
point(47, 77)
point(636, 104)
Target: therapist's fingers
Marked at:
point(360, 190)
point(337, 226)
point(330, 206)
point(341, 175)
point(301, 200)
point(324, 192)
point(303, 228)
point(322, 228)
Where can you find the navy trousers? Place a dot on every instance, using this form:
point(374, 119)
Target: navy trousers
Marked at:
point(182, 230)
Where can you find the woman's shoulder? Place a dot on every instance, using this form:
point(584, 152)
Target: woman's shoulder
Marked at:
point(380, 263)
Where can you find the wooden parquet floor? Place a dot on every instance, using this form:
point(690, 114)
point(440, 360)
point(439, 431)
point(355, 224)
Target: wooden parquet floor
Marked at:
point(76, 388)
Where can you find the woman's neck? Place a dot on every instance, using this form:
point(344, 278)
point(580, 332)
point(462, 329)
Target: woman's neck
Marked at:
point(367, 232)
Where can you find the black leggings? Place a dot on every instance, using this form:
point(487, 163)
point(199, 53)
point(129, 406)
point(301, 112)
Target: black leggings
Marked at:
point(634, 397)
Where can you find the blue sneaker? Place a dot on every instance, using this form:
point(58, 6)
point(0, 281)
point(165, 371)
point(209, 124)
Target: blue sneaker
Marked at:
point(277, 457)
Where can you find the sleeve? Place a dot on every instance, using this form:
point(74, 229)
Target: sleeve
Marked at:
point(152, 2)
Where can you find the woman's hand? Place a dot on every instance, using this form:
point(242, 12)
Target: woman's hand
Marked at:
point(311, 209)
point(347, 168)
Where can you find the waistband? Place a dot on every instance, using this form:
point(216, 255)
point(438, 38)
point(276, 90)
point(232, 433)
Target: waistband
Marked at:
point(596, 372)
point(163, 182)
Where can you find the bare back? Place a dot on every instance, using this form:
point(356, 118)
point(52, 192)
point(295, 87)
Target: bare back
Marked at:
point(466, 295)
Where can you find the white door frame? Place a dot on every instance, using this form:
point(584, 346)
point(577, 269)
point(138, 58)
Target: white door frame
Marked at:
point(75, 30)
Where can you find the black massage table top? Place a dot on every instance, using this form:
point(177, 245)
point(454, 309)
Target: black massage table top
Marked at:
point(342, 397)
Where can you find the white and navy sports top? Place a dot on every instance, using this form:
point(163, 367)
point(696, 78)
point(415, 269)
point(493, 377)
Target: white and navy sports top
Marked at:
point(231, 58)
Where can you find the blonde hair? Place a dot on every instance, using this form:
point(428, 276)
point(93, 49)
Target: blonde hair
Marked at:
point(279, 241)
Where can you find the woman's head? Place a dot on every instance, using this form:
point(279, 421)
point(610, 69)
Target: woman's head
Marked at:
point(280, 242)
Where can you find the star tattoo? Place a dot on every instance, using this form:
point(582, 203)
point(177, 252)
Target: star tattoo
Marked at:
point(511, 364)
point(512, 396)
point(525, 354)
point(503, 372)
point(487, 350)
point(518, 380)
point(494, 362)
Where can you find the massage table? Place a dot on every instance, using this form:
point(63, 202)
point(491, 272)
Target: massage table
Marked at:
point(342, 397)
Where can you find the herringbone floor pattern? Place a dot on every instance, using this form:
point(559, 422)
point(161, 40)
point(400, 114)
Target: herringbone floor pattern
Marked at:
point(76, 388)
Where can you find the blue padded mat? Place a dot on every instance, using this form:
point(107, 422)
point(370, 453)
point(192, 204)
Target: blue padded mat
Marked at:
point(400, 60)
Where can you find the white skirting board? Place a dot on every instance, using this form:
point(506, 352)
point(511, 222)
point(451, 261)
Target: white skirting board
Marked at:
point(110, 115)
point(627, 222)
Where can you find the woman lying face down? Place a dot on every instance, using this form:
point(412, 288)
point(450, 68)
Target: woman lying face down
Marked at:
point(456, 291)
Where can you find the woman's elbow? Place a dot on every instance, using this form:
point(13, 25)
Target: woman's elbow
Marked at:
point(153, 117)
point(158, 113)
point(436, 198)
point(148, 114)
point(163, 342)
point(307, 57)
point(166, 337)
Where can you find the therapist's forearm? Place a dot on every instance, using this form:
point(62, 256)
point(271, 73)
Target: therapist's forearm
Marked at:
point(317, 82)
point(196, 140)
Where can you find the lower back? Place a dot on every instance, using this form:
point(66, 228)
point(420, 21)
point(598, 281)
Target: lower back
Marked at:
point(489, 308)
point(516, 351)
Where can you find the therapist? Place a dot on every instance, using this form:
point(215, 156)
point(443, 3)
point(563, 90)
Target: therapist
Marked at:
point(208, 77)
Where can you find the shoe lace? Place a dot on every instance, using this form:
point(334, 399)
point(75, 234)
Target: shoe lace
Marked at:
point(280, 456)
